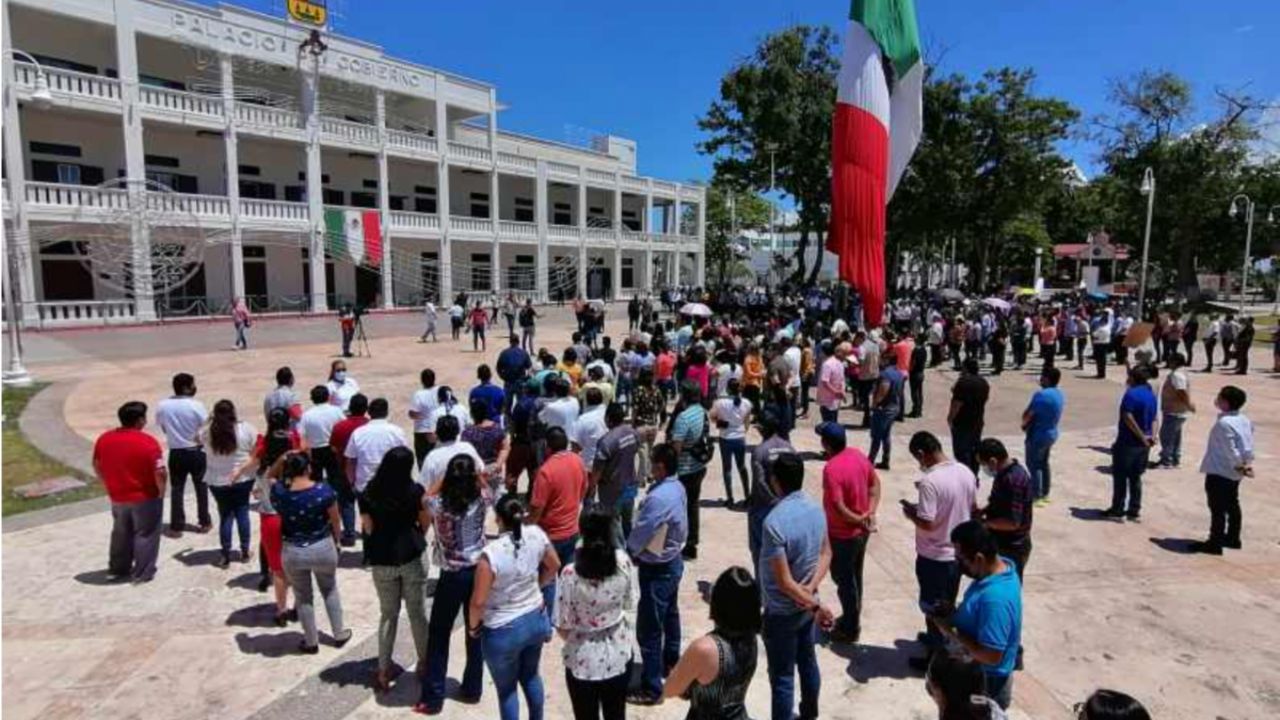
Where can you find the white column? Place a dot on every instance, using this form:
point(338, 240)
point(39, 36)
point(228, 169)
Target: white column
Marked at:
point(540, 214)
point(495, 208)
point(135, 164)
point(20, 237)
point(701, 265)
point(616, 275)
point(582, 229)
point(647, 276)
point(316, 243)
point(675, 236)
point(384, 200)
point(230, 144)
point(442, 196)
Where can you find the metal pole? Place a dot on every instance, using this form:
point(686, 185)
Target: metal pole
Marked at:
point(14, 373)
point(955, 271)
point(1146, 241)
point(773, 231)
point(1248, 246)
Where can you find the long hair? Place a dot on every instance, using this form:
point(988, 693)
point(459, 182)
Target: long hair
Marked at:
point(735, 391)
point(222, 428)
point(391, 490)
point(459, 490)
point(511, 513)
point(735, 604)
point(278, 440)
point(296, 465)
point(596, 558)
point(962, 686)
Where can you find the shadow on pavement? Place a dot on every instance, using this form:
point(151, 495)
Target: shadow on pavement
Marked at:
point(262, 615)
point(271, 645)
point(1179, 546)
point(1096, 448)
point(245, 581)
point(99, 577)
point(194, 558)
point(867, 662)
point(352, 672)
point(1092, 514)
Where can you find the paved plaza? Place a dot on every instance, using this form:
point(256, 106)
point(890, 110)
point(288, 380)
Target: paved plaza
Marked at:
point(1107, 603)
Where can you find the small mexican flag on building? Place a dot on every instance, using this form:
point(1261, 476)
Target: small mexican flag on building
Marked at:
point(877, 125)
point(354, 235)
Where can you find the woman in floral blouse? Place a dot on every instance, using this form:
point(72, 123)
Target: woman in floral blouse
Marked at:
point(596, 599)
point(648, 413)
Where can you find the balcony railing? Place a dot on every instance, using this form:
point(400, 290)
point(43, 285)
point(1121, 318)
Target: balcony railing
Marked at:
point(414, 221)
point(563, 232)
point(518, 230)
point(600, 234)
point(632, 236)
point(280, 210)
point(630, 182)
point(464, 224)
point(76, 196)
point(560, 168)
point(664, 186)
point(600, 176)
point(351, 131)
point(85, 312)
point(462, 151)
point(178, 205)
point(418, 142)
point(267, 117)
point(519, 162)
point(70, 82)
point(181, 102)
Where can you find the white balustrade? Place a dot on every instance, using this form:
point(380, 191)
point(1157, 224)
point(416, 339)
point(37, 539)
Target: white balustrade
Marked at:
point(69, 82)
point(600, 176)
point(559, 168)
point(267, 117)
point(664, 186)
point(518, 230)
point(182, 102)
point(603, 234)
point(464, 224)
point(632, 236)
point(414, 221)
point(463, 151)
point(519, 162)
point(76, 196)
point(563, 232)
point(347, 130)
point(205, 206)
point(690, 193)
point(85, 312)
point(273, 210)
point(633, 183)
point(418, 142)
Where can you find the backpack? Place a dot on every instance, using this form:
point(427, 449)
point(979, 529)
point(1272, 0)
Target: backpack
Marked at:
point(703, 449)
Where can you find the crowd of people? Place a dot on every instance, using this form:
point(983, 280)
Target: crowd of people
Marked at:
point(563, 493)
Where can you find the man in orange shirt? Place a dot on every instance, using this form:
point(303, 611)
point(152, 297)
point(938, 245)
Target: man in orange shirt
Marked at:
point(130, 465)
point(558, 491)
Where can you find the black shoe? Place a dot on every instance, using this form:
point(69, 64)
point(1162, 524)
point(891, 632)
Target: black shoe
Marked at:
point(348, 541)
point(841, 637)
point(920, 664)
point(1133, 517)
point(264, 583)
point(1112, 513)
point(291, 615)
point(244, 555)
point(643, 699)
point(306, 649)
point(882, 466)
point(1232, 544)
point(1206, 548)
point(224, 560)
point(282, 619)
point(689, 554)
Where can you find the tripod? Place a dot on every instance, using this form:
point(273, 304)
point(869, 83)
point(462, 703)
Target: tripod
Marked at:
point(362, 340)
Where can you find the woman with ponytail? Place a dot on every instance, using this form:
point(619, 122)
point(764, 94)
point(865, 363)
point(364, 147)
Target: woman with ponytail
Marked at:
point(229, 474)
point(447, 405)
point(596, 598)
point(268, 455)
point(732, 414)
point(507, 612)
point(959, 688)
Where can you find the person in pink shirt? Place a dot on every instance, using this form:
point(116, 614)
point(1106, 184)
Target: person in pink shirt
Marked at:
point(699, 371)
point(903, 349)
point(665, 372)
point(831, 383)
point(850, 498)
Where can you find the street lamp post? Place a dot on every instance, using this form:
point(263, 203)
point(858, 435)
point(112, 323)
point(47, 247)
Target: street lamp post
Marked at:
point(1035, 281)
point(1149, 189)
point(1249, 207)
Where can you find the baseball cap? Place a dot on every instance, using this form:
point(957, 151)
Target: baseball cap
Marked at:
point(830, 430)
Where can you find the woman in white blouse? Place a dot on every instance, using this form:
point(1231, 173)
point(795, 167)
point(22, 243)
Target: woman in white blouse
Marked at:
point(228, 473)
point(507, 613)
point(341, 386)
point(596, 600)
point(732, 415)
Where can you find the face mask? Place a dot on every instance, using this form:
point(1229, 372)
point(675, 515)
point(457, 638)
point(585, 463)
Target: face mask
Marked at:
point(340, 376)
point(988, 472)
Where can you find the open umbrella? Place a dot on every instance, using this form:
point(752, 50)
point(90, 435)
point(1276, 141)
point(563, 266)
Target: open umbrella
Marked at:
point(997, 303)
point(695, 310)
point(949, 294)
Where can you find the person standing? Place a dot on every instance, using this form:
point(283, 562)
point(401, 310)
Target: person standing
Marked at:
point(655, 542)
point(1135, 435)
point(430, 316)
point(595, 616)
point(1175, 407)
point(309, 526)
point(988, 623)
point(1228, 459)
point(456, 313)
point(347, 319)
point(556, 501)
point(316, 427)
point(1190, 333)
point(507, 611)
point(613, 472)
point(422, 409)
point(915, 379)
point(795, 555)
point(341, 385)
point(528, 326)
point(831, 384)
point(1211, 334)
point(773, 444)
point(850, 499)
point(1009, 509)
point(513, 366)
point(394, 522)
point(283, 397)
point(488, 393)
point(180, 418)
point(1227, 334)
point(1244, 341)
point(886, 405)
point(130, 465)
point(1048, 341)
point(947, 495)
point(1101, 338)
point(690, 438)
point(967, 413)
point(242, 320)
point(1040, 423)
point(229, 472)
point(648, 413)
point(369, 445)
point(732, 415)
point(589, 427)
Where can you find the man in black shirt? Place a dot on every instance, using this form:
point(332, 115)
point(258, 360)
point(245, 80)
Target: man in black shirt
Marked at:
point(915, 376)
point(1010, 504)
point(968, 407)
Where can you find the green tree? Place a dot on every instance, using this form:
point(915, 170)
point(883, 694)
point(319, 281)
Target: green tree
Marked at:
point(781, 97)
point(730, 212)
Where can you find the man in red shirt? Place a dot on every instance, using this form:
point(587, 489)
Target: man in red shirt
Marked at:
point(558, 491)
point(850, 497)
point(130, 465)
point(342, 477)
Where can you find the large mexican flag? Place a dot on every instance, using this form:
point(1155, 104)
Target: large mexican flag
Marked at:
point(354, 235)
point(879, 108)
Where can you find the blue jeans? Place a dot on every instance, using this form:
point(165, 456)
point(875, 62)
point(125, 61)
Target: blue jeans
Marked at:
point(512, 653)
point(1128, 462)
point(1171, 439)
point(658, 622)
point(1037, 452)
point(242, 336)
point(755, 533)
point(939, 582)
point(790, 645)
point(1000, 689)
point(564, 550)
point(731, 450)
point(233, 507)
point(828, 415)
point(881, 430)
point(453, 595)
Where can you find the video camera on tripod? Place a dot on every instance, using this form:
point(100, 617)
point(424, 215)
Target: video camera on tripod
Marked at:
point(351, 320)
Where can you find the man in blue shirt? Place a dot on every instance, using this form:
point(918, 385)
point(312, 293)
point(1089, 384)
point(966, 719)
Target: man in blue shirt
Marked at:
point(513, 367)
point(488, 393)
point(988, 623)
point(886, 404)
point(794, 557)
point(1040, 423)
point(1135, 436)
point(657, 537)
point(689, 427)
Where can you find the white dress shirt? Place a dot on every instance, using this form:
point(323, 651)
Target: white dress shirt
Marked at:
point(369, 443)
point(180, 418)
point(436, 462)
point(317, 424)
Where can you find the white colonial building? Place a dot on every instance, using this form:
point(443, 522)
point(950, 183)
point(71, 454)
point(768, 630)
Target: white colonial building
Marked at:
point(137, 132)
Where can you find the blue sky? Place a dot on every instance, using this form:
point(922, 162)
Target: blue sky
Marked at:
point(647, 70)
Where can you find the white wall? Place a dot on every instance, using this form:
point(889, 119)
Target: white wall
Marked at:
point(348, 174)
point(101, 141)
point(562, 194)
point(62, 37)
point(509, 188)
point(279, 162)
point(461, 185)
point(199, 155)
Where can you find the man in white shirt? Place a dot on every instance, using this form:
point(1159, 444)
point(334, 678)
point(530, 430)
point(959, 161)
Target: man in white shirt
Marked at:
point(370, 442)
point(180, 417)
point(448, 446)
point(1228, 460)
point(422, 408)
point(589, 427)
point(562, 410)
point(315, 427)
point(430, 317)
